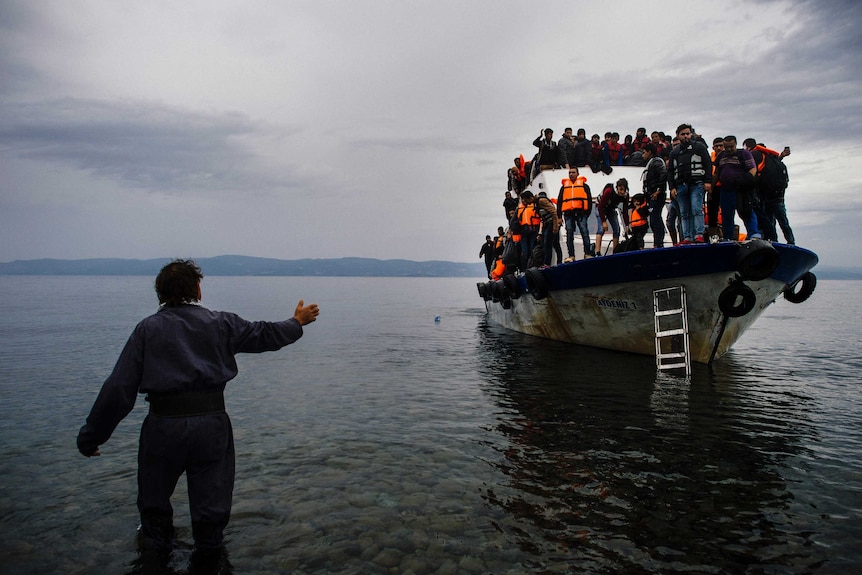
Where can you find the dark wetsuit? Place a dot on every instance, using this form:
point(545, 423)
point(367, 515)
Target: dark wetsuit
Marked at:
point(182, 357)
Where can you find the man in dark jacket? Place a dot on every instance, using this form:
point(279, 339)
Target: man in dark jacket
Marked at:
point(690, 177)
point(182, 357)
point(487, 251)
point(655, 190)
point(548, 151)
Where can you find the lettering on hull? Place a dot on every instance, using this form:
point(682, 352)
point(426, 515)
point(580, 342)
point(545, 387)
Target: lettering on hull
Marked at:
point(617, 303)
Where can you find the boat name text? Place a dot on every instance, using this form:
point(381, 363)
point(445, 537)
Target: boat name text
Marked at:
point(617, 303)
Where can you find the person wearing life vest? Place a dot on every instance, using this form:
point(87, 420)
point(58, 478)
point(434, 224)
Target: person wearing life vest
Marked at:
point(612, 151)
point(574, 204)
point(689, 178)
point(639, 219)
point(529, 222)
point(499, 269)
point(518, 176)
point(771, 185)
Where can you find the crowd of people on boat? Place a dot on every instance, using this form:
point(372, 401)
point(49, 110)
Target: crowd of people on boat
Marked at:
point(688, 193)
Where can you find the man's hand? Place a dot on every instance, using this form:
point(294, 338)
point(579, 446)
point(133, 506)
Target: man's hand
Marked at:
point(305, 314)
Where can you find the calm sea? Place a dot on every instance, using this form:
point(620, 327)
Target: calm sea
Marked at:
point(387, 442)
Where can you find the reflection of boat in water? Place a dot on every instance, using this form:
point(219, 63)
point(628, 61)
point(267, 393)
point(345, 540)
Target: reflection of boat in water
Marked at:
point(609, 302)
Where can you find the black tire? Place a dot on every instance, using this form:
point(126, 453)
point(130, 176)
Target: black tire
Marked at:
point(536, 283)
point(483, 291)
point(736, 300)
point(501, 293)
point(806, 284)
point(513, 285)
point(492, 291)
point(756, 260)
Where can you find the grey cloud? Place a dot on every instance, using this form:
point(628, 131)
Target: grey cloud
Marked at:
point(143, 145)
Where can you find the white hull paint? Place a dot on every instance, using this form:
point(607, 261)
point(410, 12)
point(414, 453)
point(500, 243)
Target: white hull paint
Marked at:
point(620, 316)
point(608, 303)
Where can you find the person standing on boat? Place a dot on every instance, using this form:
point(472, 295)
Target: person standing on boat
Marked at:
point(574, 205)
point(655, 190)
point(550, 227)
point(735, 172)
point(182, 357)
point(510, 203)
point(611, 200)
point(487, 251)
point(529, 221)
point(690, 178)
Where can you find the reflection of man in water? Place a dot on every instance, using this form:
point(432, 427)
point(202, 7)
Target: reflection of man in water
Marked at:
point(182, 357)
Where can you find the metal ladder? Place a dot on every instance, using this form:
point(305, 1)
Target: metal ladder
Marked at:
point(671, 330)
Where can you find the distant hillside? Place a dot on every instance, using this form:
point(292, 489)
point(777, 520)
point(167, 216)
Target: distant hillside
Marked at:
point(250, 266)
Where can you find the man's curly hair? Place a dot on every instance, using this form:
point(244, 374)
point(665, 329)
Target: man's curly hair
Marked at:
point(177, 283)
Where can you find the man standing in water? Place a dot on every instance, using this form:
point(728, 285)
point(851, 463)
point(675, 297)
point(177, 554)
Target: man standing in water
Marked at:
point(182, 357)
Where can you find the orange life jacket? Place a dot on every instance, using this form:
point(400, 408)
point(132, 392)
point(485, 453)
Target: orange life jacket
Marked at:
point(637, 219)
point(522, 168)
point(575, 195)
point(528, 216)
point(499, 269)
point(763, 150)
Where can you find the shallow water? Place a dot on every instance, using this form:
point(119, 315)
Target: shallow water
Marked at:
point(386, 442)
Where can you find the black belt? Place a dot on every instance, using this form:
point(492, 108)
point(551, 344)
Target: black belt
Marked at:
point(186, 404)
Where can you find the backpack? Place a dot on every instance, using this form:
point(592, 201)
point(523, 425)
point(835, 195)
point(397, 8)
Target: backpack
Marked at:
point(773, 178)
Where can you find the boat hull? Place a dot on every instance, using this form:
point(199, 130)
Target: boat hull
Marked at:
point(608, 302)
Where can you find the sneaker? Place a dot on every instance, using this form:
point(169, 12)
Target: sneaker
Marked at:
point(699, 240)
point(588, 256)
point(569, 259)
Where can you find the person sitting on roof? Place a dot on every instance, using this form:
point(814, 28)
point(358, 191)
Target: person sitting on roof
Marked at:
point(612, 150)
point(582, 149)
point(566, 149)
point(596, 160)
point(640, 140)
point(548, 151)
point(518, 176)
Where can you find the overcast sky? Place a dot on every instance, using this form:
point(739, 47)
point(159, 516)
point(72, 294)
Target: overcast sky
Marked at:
point(385, 128)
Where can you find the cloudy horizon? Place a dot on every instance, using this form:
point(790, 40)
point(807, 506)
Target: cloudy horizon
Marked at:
point(384, 129)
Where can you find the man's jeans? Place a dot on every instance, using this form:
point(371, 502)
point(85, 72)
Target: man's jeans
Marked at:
point(581, 220)
point(690, 199)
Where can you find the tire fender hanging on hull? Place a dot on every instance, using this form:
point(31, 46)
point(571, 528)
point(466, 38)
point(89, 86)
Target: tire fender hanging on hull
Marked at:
point(736, 300)
point(536, 283)
point(756, 260)
point(806, 285)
